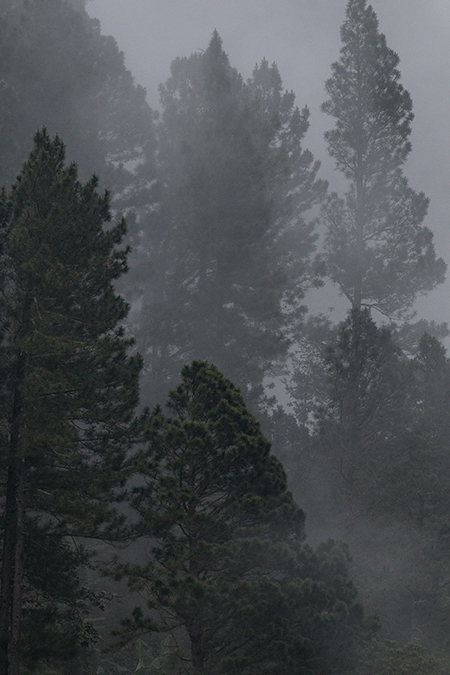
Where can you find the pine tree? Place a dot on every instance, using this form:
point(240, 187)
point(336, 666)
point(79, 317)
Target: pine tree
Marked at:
point(381, 450)
point(227, 250)
point(68, 386)
point(415, 489)
point(377, 250)
point(366, 390)
point(58, 70)
point(228, 574)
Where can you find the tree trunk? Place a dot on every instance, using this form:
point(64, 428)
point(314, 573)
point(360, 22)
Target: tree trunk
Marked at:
point(11, 575)
point(197, 651)
point(7, 570)
point(12, 570)
point(17, 586)
point(359, 186)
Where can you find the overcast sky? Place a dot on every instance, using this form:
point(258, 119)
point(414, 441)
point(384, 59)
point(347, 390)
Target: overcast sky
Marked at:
point(302, 37)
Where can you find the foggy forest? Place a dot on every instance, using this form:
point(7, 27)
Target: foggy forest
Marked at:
point(225, 392)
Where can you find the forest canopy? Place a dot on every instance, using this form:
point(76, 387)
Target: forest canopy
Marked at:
point(282, 505)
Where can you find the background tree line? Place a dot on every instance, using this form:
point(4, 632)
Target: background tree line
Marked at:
point(224, 207)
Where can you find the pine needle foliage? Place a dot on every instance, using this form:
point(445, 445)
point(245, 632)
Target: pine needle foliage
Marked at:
point(225, 252)
point(377, 249)
point(228, 574)
point(69, 387)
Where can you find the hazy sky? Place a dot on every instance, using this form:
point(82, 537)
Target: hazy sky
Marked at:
point(302, 37)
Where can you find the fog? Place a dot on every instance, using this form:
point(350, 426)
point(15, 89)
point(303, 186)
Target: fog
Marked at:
point(285, 507)
point(302, 37)
point(391, 549)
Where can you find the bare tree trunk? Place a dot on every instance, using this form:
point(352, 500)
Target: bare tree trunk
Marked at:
point(359, 261)
point(7, 570)
point(11, 574)
point(17, 586)
point(197, 651)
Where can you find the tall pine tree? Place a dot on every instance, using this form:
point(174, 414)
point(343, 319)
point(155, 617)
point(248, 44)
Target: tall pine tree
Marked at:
point(58, 70)
point(377, 250)
point(69, 388)
point(227, 250)
point(365, 402)
point(229, 576)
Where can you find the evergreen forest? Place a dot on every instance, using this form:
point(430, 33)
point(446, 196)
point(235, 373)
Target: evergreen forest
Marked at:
point(200, 473)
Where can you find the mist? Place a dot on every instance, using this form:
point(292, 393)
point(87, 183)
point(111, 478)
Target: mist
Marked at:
point(302, 38)
point(225, 393)
point(391, 554)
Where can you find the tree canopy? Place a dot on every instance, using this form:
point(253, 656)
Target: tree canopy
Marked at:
point(68, 390)
point(225, 250)
point(222, 199)
point(58, 70)
point(228, 574)
point(377, 249)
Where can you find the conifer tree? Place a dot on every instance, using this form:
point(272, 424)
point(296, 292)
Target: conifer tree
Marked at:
point(68, 388)
point(365, 403)
point(58, 70)
point(377, 250)
point(226, 253)
point(228, 574)
point(414, 487)
point(380, 455)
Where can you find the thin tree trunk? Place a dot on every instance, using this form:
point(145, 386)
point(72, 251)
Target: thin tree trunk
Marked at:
point(11, 574)
point(359, 262)
point(17, 586)
point(197, 651)
point(7, 570)
point(12, 569)
point(359, 215)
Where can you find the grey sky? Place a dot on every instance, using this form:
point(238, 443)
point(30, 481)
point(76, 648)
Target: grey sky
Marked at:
point(302, 37)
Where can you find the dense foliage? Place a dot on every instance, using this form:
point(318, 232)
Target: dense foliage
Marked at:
point(68, 394)
point(57, 70)
point(377, 249)
point(219, 192)
point(225, 254)
point(228, 573)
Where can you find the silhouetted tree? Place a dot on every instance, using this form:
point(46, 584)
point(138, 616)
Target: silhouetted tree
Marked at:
point(381, 451)
point(377, 249)
point(67, 395)
point(57, 70)
point(365, 391)
point(224, 259)
point(228, 574)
